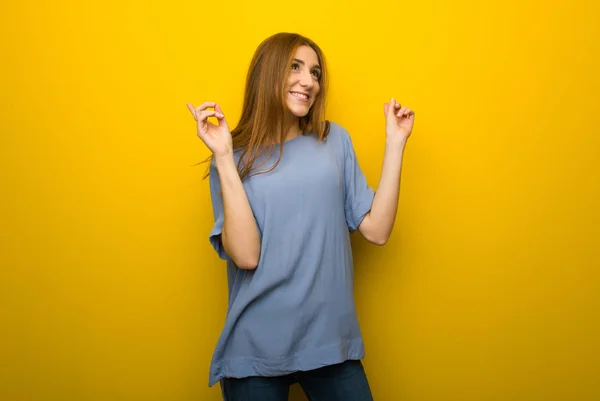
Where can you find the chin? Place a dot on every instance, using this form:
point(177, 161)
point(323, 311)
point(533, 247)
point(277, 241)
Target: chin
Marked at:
point(300, 114)
point(299, 111)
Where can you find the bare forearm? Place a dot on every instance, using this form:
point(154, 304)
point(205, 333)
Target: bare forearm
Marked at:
point(240, 235)
point(379, 222)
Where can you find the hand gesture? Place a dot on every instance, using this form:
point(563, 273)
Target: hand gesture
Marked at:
point(216, 137)
point(399, 120)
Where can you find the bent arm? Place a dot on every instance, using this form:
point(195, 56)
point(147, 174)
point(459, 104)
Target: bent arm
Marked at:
point(377, 225)
point(240, 236)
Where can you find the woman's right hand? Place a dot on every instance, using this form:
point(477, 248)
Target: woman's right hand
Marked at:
point(216, 137)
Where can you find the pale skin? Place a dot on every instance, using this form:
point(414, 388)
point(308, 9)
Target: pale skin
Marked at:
point(377, 225)
point(240, 236)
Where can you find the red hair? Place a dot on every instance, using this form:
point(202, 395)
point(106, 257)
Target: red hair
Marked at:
point(264, 120)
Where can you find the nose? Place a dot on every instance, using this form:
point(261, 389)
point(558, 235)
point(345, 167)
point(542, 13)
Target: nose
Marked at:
point(306, 80)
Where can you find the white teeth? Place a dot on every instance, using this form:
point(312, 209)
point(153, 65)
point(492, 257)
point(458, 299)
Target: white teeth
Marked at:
point(300, 95)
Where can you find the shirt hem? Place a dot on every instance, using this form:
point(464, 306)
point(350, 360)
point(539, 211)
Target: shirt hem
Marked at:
point(307, 360)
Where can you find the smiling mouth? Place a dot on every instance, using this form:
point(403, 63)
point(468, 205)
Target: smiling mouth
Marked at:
point(301, 96)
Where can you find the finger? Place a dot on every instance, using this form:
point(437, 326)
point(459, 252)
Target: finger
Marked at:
point(205, 106)
point(207, 113)
point(409, 113)
point(398, 105)
point(390, 110)
point(219, 110)
point(401, 112)
point(221, 117)
point(385, 108)
point(192, 110)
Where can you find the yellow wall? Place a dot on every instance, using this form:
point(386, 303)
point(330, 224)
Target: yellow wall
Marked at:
point(488, 289)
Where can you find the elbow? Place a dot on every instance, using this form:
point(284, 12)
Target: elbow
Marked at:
point(245, 258)
point(376, 238)
point(248, 261)
point(374, 232)
point(379, 241)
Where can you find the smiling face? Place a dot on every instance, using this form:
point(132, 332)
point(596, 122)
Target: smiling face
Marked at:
point(303, 81)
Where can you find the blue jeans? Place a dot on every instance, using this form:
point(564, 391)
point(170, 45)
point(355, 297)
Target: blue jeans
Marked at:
point(346, 381)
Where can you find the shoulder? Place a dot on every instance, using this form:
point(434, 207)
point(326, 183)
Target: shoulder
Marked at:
point(340, 137)
point(338, 133)
point(336, 129)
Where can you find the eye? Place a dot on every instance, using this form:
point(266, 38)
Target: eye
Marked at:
point(316, 73)
point(295, 66)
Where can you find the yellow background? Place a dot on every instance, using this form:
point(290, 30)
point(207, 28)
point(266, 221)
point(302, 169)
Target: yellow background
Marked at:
point(489, 287)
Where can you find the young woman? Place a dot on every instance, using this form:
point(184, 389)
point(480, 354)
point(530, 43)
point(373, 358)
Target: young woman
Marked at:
point(287, 191)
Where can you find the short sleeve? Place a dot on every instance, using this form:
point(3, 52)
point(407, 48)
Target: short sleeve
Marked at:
point(358, 195)
point(218, 212)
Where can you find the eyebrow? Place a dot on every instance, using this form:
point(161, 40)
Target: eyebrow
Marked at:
point(303, 63)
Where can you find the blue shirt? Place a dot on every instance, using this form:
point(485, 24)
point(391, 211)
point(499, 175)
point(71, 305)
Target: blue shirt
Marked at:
point(296, 310)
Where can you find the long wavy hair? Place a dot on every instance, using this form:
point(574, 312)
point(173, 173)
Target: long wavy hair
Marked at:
point(265, 119)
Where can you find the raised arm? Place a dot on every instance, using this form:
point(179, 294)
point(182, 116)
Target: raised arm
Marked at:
point(240, 236)
point(377, 225)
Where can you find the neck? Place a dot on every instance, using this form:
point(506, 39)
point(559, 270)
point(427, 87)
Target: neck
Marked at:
point(294, 130)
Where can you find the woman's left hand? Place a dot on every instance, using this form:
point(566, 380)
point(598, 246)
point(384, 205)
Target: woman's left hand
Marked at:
point(399, 121)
